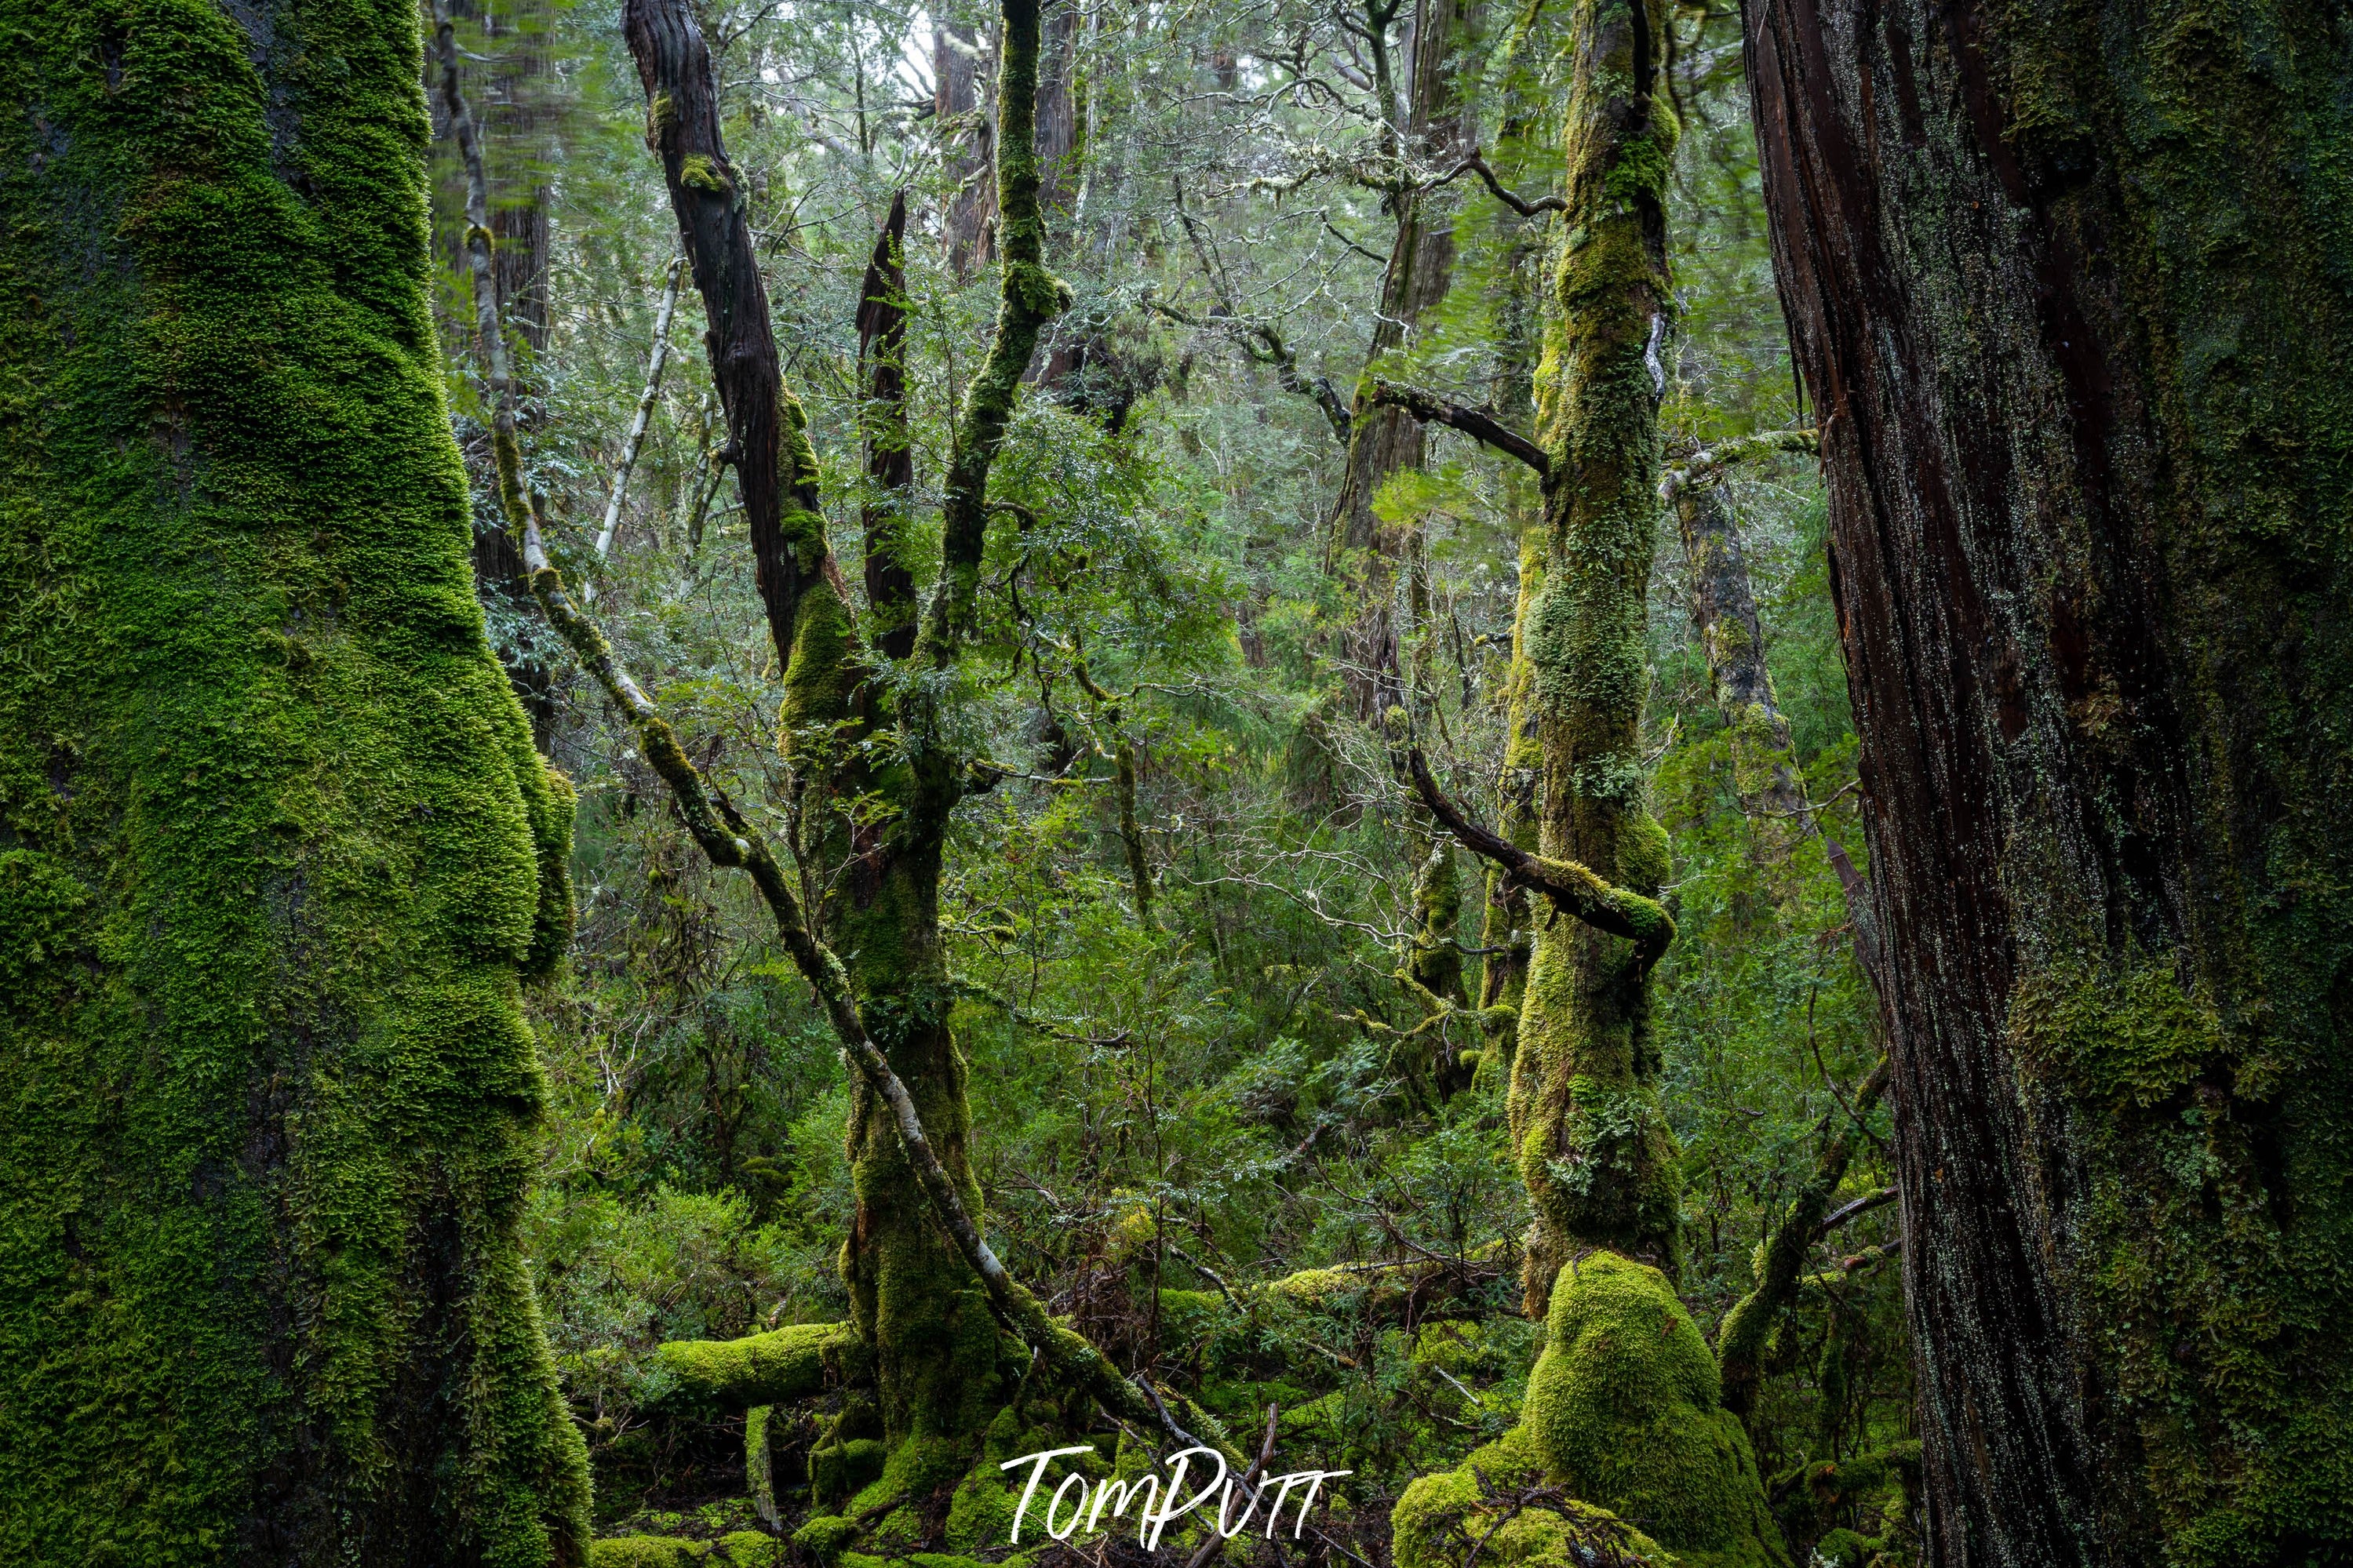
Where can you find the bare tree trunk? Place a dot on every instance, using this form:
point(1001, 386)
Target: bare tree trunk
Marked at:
point(2069, 287)
point(967, 131)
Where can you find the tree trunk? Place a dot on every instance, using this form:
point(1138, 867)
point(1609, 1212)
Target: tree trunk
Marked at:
point(1385, 440)
point(916, 1300)
point(967, 131)
point(2069, 289)
point(1593, 1144)
point(276, 847)
point(890, 449)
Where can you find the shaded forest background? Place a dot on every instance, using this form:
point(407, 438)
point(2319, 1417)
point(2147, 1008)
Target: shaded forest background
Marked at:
point(1268, 1057)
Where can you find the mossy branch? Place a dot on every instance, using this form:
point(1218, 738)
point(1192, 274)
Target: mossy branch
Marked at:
point(1741, 1341)
point(1029, 297)
point(1476, 423)
point(1708, 467)
point(1574, 890)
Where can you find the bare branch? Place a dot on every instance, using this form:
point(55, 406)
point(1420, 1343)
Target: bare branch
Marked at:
point(659, 357)
point(1475, 164)
point(1476, 423)
point(1846, 1212)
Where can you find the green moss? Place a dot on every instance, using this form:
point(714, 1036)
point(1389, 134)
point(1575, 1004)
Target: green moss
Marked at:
point(743, 1549)
point(1623, 1409)
point(2124, 1042)
point(40, 925)
point(698, 172)
point(825, 1536)
point(841, 1468)
point(762, 1369)
point(264, 1140)
point(1441, 1518)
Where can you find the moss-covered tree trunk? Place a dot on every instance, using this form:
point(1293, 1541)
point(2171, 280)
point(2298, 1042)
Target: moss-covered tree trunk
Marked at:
point(872, 818)
point(275, 848)
point(1592, 1144)
point(2071, 287)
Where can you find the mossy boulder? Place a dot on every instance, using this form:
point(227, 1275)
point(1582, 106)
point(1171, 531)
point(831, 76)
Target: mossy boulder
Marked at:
point(1441, 1516)
point(1623, 1410)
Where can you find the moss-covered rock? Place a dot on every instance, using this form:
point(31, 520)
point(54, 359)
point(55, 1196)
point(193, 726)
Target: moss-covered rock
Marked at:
point(825, 1537)
point(762, 1369)
point(1442, 1517)
point(1623, 1410)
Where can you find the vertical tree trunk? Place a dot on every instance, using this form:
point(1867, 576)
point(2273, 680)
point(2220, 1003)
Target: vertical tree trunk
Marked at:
point(889, 452)
point(2069, 289)
point(968, 136)
point(1385, 440)
point(1593, 1144)
point(914, 1298)
point(1516, 307)
point(276, 847)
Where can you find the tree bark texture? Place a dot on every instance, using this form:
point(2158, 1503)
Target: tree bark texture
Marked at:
point(889, 452)
point(967, 130)
point(2070, 288)
point(275, 848)
point(708, 198)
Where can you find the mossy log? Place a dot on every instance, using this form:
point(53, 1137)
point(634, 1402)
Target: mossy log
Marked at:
point(774, 1368)
point(741, 1549)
